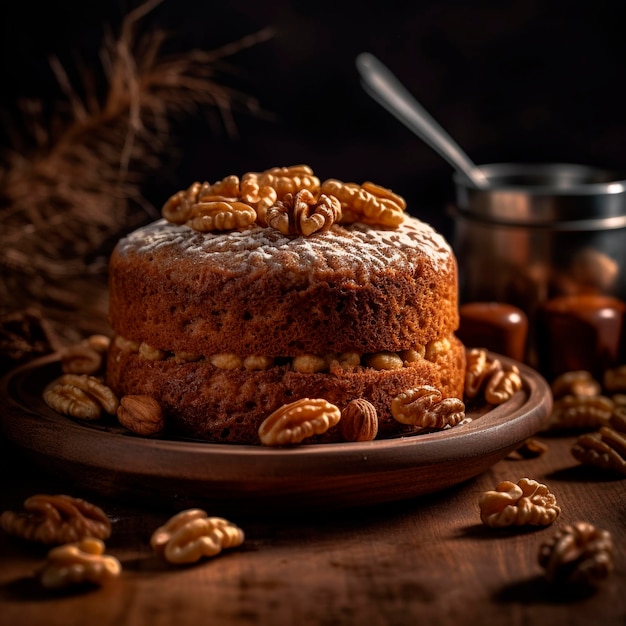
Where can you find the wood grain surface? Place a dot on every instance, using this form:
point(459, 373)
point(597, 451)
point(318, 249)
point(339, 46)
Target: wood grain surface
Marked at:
point(428, 560)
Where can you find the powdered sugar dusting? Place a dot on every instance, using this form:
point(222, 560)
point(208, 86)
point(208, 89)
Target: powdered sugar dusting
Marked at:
point(356, 246)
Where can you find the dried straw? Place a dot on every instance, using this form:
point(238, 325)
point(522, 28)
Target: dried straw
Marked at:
point(65, 200)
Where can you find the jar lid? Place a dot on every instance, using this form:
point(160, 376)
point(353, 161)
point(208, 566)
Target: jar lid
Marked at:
point(554, 195)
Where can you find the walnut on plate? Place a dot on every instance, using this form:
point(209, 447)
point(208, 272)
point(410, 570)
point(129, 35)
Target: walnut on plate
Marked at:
point(191, 535)
point(359, 421)
point(80, 396)
point(141, 414)
point(482, 374)
point(296, 421)
point(56, 519)
point(578, 554)
point(83, 562)
point(527, 503)
point(425, 407)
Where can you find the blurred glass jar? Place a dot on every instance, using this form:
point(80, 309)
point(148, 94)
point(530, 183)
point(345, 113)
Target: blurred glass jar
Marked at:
point(539, 231)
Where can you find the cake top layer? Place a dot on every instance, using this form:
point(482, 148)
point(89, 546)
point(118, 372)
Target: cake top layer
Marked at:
point(341, 247)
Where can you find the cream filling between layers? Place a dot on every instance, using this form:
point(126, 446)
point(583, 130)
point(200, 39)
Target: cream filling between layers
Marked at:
point(304, 363)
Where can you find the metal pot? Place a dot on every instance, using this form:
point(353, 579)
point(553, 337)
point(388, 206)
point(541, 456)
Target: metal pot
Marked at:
point(538, 231)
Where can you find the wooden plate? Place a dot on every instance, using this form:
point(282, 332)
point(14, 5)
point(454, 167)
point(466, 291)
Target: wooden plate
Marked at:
point(106, 459)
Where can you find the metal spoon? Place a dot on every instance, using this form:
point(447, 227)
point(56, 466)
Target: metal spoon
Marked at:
point(383, 86)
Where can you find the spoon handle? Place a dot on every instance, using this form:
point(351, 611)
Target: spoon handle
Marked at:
point(382, 85)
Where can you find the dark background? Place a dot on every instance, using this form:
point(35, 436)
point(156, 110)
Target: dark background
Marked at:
point(521, 80)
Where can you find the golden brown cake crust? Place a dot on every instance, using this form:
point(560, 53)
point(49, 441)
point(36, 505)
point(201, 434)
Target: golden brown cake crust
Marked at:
point(258, 292)
point(191, 309)
point(228, 406)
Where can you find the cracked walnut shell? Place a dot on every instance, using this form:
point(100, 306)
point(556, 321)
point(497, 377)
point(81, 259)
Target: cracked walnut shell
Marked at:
point(359, 421)
point(579, 554)
point(141, 414)
point(298, 420)
point(83, 562)
point(191, 535)
point(527, 503)
point(56, 519)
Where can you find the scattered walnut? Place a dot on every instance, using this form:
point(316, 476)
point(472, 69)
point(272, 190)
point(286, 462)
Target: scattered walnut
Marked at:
point(191, 535)
point(579, 554)
point(302, 213)
point(605, 448)
point(525, 503)
point(368, 203)
point(141, 414)
point(56, 519)
point(575, 383)
point(80, 396)
point(614, 379)
point(83, 562)
point(424, 407)
point(580, 412)
point(298, 420)
point(359, 421)
point(529, 449)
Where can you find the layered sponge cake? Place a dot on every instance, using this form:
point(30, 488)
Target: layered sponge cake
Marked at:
point(252, 293)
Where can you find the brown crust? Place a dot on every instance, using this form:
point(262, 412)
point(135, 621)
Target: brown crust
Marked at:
point(228, 406)
point(182, 303)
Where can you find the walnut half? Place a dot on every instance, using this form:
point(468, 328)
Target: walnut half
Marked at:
point(298, 420)
point(579, 554)
point(527, 503)
point(191, 535)
point(56, 519)
point(424, 407)
point(79, 563)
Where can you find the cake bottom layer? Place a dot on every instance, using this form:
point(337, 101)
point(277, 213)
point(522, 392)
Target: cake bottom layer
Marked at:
point(203, 402)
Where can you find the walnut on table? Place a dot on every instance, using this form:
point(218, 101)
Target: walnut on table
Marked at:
point(79, 563)
point(191, 535)
point(56, 519)
point(527, 503)
point(605, 448)
point(578, 554)
point(579, 383)
point(572, 412)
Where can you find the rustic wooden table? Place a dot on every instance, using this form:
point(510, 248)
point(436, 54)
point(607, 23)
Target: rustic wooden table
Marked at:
point(428, 560)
